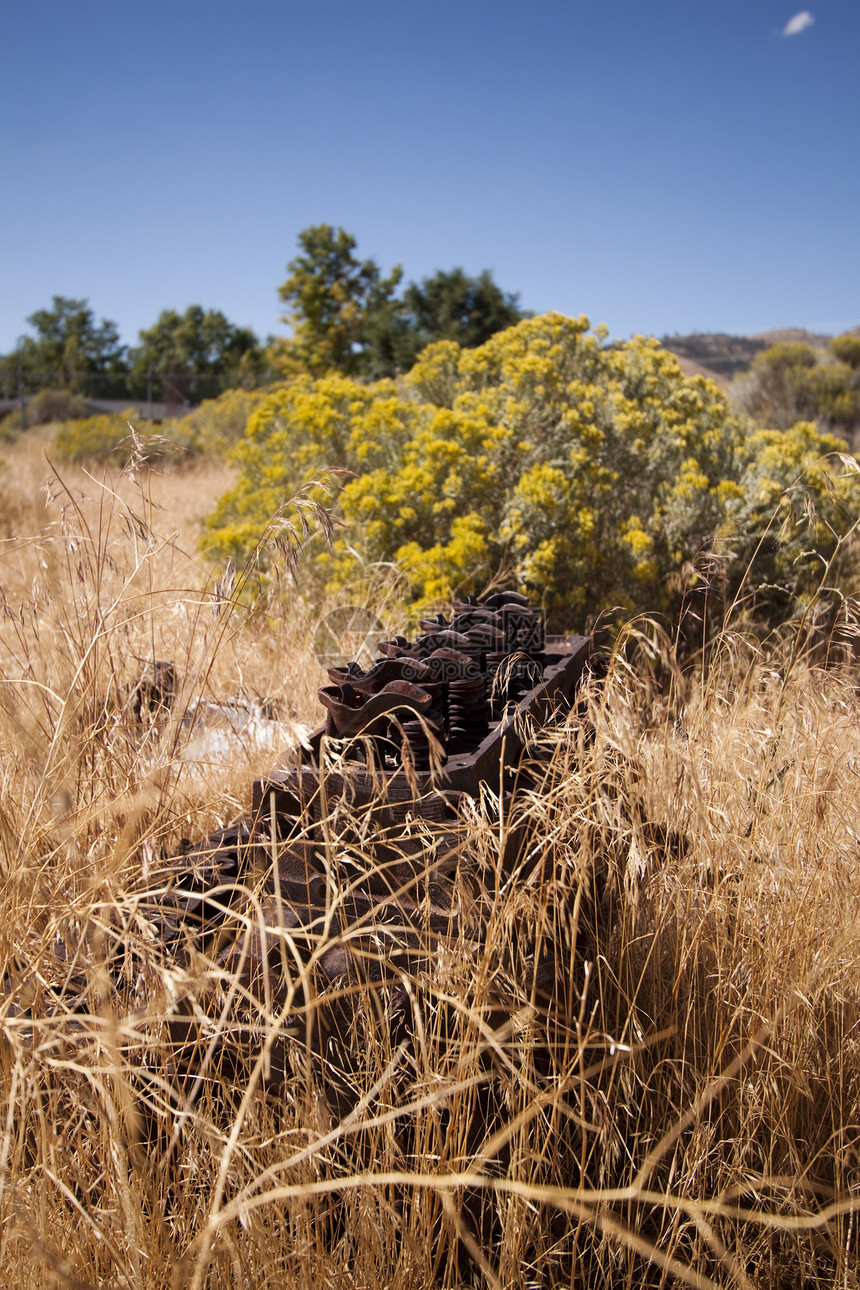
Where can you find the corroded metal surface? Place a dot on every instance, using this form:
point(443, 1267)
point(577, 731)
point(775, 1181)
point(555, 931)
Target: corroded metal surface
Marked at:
point(356, 852)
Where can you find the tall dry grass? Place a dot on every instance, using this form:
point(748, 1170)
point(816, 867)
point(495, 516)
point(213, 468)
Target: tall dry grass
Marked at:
point(632, 1060)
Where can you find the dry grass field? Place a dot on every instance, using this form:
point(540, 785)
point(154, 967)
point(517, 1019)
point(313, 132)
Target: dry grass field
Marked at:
point(635, 1062)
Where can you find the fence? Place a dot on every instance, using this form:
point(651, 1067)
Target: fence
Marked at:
point(164, 393)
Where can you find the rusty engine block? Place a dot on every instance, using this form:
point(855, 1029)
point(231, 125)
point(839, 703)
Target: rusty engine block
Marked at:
point(348, 874)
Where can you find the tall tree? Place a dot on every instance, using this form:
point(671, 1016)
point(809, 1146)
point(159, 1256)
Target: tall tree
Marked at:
point(347, 317)
point(183, 348)
point(332, 298)
point(452, 306)
point(447, 306)
point(70, 350)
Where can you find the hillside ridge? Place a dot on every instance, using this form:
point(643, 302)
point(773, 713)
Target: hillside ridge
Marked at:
point(721, 356)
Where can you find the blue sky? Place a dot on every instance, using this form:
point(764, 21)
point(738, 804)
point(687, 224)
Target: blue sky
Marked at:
point(661, 167)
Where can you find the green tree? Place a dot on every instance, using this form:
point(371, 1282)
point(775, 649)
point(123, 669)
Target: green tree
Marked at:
point(199, 352)
point(447, 306)
point(330, 296)
point(70, 351)
point(346, 316)
point(452, 306)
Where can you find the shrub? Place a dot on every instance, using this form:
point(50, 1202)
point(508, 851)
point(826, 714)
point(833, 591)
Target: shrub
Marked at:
point(210, 429)
point(591, 476)
point(101, 437)
point(792, 382)
point(847, 350)
point(217, 424)
point(47, 406)
point(10, 427)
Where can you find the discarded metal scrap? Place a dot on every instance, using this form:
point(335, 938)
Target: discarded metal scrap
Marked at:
point(358, 847)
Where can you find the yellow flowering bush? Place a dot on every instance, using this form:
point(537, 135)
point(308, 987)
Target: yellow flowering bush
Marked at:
point(216, 425)
point(591, 475)
point(792, 502)
point(99, 438)
point(212, 428)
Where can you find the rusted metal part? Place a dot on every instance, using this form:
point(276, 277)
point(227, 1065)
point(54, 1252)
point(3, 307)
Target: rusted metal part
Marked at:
point(473, 761)
point(357, 852)
point(366, 806)
point(503, 745)
point(355, 711)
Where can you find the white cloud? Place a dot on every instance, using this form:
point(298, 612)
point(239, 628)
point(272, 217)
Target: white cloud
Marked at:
point(798, 23)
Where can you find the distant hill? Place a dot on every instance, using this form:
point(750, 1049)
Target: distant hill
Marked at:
point(691, 368)
point(719, 354)
point(722, 357)
point(793, 336)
